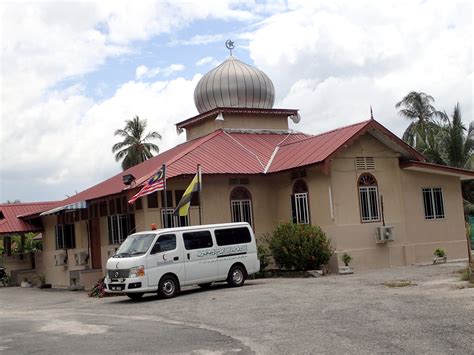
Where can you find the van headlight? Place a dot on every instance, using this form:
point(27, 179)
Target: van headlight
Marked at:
point(137, 271)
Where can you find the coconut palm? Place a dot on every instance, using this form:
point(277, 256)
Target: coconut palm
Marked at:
point(135, 147)
point(418, 107)
point(452, 144)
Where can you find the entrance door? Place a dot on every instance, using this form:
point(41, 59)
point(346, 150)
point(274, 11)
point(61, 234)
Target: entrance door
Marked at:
point(94, 230)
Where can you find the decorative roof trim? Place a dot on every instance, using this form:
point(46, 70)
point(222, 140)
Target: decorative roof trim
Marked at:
point(235, 110)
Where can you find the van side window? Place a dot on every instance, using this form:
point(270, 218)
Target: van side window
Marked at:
point(197, 240)
point(232, 236)
point(167, 242)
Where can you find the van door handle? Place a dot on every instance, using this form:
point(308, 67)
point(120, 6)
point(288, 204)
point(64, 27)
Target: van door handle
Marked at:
point(176, 258)
point(189, 256)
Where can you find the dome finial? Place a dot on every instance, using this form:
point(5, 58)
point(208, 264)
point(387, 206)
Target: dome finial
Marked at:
point(230, 45)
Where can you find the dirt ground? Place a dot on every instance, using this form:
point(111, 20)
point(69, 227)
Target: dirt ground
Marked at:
point(432, 313)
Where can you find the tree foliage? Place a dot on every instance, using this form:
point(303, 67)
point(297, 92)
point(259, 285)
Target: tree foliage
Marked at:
point(136, 146)
point(418, 108)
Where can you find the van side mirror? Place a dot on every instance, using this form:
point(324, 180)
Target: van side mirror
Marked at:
point(156, 248)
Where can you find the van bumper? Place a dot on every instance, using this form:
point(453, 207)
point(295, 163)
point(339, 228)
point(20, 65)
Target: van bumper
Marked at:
point(128, 285)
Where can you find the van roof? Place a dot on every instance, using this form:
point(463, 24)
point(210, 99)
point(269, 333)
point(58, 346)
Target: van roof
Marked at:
point(202, 226)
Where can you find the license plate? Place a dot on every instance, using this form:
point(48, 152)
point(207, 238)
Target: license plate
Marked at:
point(116, 288)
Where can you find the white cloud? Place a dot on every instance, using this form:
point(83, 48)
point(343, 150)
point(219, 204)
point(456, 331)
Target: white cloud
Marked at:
point(335, 59)
point(144, 72)
point(72, 136)
point(211, 61)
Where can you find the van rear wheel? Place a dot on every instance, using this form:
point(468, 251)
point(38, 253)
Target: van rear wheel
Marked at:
point(237, 276)
point(168, 286)
point(135, 296)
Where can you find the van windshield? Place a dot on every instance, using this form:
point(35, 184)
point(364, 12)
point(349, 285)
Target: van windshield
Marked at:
point(135, 244)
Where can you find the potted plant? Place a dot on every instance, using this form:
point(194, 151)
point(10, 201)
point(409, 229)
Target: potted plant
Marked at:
point(439, 256)
point(346, 270)
point(42, 281)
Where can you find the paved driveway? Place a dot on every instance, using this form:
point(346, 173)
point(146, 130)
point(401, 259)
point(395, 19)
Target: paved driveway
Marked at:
point(333, 314)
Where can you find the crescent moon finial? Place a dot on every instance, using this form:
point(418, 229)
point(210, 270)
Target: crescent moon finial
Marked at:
point(230, 45)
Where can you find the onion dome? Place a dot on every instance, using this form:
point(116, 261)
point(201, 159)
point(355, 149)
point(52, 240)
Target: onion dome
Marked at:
point(234, 84)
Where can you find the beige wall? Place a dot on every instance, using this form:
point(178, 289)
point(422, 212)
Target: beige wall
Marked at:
point(236, 121)
point(427, 235)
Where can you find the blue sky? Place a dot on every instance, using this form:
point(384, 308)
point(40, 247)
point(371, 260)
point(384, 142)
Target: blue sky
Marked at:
point(73, 72)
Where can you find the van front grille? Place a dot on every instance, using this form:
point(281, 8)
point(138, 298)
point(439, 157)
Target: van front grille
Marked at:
point(118, 273)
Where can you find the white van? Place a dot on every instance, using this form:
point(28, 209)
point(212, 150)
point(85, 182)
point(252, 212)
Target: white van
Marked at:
point(163, 260)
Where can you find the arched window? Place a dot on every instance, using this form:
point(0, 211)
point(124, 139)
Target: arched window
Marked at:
point(368, 198)
point(299, 203)
point(241, 205)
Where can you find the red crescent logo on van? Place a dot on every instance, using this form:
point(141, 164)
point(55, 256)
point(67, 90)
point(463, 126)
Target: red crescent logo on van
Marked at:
point(164, 257)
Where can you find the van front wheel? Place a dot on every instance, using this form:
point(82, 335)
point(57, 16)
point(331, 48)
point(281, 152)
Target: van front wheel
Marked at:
point(168, 286)
point(237, 276)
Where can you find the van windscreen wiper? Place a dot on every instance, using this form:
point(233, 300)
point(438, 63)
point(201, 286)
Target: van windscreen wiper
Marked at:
point(121, 255)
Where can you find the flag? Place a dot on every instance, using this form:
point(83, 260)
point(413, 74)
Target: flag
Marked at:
point(155, 183)
point(183, 206)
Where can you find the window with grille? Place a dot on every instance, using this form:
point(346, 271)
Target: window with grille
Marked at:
point(65, 236)
point(173, 221)
point(364, 163)
point(241, 205)
point(299, 203)
point(119, 227)
point(433, 203)
point(368, 198)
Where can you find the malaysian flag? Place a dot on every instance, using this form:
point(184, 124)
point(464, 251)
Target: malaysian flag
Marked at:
point(155, 183)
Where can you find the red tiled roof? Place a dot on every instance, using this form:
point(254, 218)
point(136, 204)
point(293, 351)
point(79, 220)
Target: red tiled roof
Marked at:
point(11, 223)
point(240, 152)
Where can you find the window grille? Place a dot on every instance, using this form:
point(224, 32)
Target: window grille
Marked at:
point(433, 203)
point(299, 203)
point(119, 227)
point(242, 211)
point(368, 198)
point(173, 221)
point(65, 236)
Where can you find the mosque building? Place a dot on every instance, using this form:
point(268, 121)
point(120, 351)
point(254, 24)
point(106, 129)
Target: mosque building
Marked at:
point(375, 196)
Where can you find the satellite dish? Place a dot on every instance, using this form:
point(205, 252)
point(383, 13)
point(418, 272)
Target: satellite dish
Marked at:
point(296, 118)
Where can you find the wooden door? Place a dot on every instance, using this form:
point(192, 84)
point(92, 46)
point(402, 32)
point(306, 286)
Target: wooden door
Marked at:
point(94, 229)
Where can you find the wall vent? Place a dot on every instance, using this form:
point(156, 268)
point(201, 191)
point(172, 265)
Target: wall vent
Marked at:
point(364, 163)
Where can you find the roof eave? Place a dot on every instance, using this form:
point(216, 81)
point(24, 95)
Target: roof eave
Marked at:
point(236, 110)
point(463, 174)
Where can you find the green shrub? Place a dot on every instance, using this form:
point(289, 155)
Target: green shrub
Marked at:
point(440, 253)
point(346, 259)
point(300, 246)
point(263, 256)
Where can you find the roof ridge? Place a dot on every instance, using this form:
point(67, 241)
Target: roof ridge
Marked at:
point(246, 149)
point(26, 203)
point(327, 132)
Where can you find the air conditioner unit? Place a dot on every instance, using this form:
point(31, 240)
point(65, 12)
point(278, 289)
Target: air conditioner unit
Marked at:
point(384, 234)
point(81, 258)
point(60, 259)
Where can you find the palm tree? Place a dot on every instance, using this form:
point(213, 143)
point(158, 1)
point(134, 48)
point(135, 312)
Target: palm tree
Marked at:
point(452, 144)
point(135, 148)
point(417, 107)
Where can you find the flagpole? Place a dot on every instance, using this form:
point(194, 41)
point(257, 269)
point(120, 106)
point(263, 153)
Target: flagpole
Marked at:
point(200, 189)
point(165, 216)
